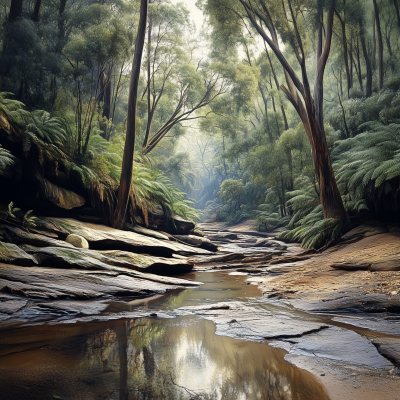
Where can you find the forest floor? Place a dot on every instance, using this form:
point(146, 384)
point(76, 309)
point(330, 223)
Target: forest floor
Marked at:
point(354, 287)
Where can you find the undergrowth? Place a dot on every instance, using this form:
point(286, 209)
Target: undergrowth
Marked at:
point(99, 170)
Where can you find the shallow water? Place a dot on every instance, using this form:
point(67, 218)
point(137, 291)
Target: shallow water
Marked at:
point(145, 359)
point(150, 358)
point(217, 287)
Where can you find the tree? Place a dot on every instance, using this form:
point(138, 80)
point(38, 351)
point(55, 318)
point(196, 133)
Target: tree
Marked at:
point(36, 11)
point(345, 50)
point(380, 45)
point(367, 58)
point(15, 9)
point(129, 149)
point(231, 193)
point(179, 83)
point(276, 16)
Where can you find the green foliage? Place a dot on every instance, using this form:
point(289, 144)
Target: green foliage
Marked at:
point(368, 164)
point(231, 191)
point(6, 160)
point(29, 221)
point(99, 170)
point(11, 211)
point(151, 187)
point(26, 220)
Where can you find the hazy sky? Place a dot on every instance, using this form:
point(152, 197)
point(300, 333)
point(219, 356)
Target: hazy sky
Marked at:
point(196, 14)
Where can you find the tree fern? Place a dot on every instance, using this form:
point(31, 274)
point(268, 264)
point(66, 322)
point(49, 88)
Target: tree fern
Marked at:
point(98, 171)
point(6, 159)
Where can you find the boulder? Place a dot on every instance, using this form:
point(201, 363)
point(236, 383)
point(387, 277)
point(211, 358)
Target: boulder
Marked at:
point(197, 241)
point(351, 266)
point(103, 237)
point(62, 198)
point(147, 232)
point(20, 236)
point(263, 243)
point(197, 232)
point(10, 304)
point(218, 259)
point(52, 284)
point(12, 254)
point(173, 225)
point(290, 259)
point(389, 348)
point(223, 236)
point(77, 241)
point(391, 263)
point(94, 260)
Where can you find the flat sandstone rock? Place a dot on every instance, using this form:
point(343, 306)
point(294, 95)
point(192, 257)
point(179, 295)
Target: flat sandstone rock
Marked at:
point(12, 254)
point(51, 284)
point(103, 237)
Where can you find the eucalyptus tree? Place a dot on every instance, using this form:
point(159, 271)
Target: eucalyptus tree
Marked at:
point(179, 82)
point(129, 148)
point(380, 44)
point(289, 22)
point(98, 42)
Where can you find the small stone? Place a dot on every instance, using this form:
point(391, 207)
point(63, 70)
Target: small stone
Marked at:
point(77, 241)
point(232, 321)
point(322, 374)
point(393, 293)
point(248, 283)
point(153, 315)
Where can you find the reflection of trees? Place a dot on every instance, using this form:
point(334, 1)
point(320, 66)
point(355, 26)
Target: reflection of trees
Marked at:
point(145, 359)
point(166, 357)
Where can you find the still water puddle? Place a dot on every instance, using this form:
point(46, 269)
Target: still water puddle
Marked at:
point(145, 359)
point(150, 358)
point(217, 287)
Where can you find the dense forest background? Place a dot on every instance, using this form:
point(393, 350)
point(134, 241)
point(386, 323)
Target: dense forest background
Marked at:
point(220, 124)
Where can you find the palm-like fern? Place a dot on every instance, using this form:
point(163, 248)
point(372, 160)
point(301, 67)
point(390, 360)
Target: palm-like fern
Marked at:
point(368, 162)
point(151, 187)
point(98, 171)
point(6, 159)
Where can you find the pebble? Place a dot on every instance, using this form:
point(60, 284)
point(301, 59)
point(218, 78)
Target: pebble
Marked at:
point(153, 315)
point(322, 374)
point(393, 293)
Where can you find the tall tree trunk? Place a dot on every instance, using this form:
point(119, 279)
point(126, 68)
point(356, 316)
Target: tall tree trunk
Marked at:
point(359, 67)
point(15, 9)
point(331, 198)
point(129, 149)
point(105, 98)
point(276, 117)
point(311, 113)
point(351, 64)
point(367, 60)
point(345, 51)
point(265, 101)
point(396, 4)
point(374, 44)
point(36, 11)
point(149, 112)
point(380, 46)
point(278, 87)
point(61, 25)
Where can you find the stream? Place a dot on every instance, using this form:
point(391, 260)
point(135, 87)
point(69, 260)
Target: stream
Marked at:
point(156, 358)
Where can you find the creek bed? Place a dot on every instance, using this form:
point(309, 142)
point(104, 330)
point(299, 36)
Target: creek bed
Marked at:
point(156, 358)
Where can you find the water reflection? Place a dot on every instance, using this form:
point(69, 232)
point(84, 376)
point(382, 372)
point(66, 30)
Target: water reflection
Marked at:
point(145, 359)
point(217, 286)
